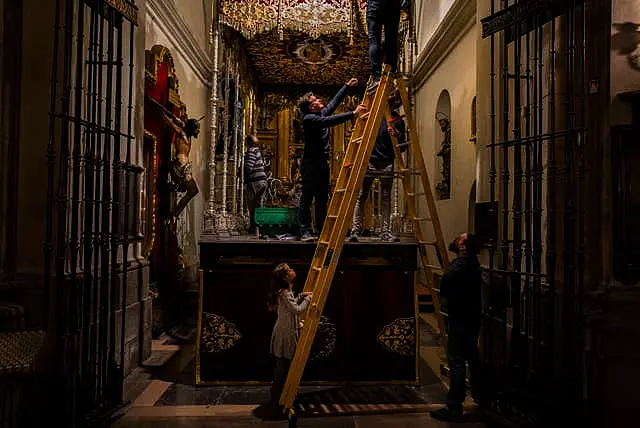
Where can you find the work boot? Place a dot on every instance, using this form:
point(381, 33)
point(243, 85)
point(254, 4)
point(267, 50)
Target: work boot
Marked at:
point(354, 236)
point(373, 83)
point(306, 237)
point(447, 415)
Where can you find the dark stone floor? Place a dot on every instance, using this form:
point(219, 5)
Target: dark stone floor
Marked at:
point(182, 404)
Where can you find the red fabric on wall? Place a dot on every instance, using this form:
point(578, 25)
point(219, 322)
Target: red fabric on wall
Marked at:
point(153, 123)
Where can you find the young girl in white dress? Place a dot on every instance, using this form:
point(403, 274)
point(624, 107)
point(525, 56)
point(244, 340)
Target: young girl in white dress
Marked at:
point(286, 331)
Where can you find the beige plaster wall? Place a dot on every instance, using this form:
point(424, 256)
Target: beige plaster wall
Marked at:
point(430, 14)
point(196, 13)
point(194, 93)
point(456, 74)
point(624, 78)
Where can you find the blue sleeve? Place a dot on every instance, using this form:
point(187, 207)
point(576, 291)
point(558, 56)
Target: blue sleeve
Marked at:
point(328, 121)
point(335, 102)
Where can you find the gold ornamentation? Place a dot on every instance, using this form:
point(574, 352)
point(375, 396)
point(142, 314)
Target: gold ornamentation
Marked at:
point(315, 51)
point(316, 18)
point(153, 58)
point(278, 61)
point(217, 334)
point(19, 351)
point(324, 343)
point(148, 246)
point(399, 337)
point(126, 9)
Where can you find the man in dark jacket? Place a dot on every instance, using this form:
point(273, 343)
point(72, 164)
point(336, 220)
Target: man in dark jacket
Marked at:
point(255, 178)
point(460, 288)
point(316, 121)
point(381, 165)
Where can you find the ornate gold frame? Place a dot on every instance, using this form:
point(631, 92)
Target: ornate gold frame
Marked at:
point(153, 58)
point(149, 240)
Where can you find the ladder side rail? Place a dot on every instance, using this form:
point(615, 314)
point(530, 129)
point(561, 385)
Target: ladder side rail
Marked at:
point(314, 275)
point(415, 146)
point(337, 231)
point(417, 226)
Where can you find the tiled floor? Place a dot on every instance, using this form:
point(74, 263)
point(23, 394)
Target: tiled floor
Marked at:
point(163, 395)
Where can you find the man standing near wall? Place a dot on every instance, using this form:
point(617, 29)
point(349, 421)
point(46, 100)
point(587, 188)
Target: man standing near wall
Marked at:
point(460, 288)
point(316, 121)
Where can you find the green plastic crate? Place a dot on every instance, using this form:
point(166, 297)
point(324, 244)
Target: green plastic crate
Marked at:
point(274, 218)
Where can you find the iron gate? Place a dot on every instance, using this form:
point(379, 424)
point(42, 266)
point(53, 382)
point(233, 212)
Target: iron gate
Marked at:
point(532, 335)
point(90, 172)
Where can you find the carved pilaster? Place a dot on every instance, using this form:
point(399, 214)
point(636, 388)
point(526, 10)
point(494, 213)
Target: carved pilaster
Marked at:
point(209, 216)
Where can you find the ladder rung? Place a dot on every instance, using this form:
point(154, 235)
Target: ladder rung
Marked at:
point(341, 190)
point(316, 268)
point(433, 267)
point(415, 194)
point(422, 218)
point(364, 116)
point(408, 171)
point(348, 165)
point(432, 243)
point(323, 242)
point(332, 216)
point(357, 140)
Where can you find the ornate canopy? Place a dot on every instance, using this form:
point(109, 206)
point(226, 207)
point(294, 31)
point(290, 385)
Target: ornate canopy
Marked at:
point(313, 17)
point(311, 42)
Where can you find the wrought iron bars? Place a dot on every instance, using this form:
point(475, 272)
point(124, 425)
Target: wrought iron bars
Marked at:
point(85, 165)
point(534, 306)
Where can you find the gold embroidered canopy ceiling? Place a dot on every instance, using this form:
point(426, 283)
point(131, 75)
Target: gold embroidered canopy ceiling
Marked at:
point(313, 17)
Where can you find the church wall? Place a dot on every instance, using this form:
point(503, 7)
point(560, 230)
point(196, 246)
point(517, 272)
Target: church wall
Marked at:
point(181, 30)
point(616, 358)
point(455, 73)
point(625, 57)
point(430, 13)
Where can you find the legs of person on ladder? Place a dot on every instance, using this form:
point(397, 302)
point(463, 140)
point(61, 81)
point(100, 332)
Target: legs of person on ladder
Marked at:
point(358, 213)
point(382, 13)
point(386, 184)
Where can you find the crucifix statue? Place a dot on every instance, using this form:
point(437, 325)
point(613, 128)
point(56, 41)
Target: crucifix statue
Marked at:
point(180, 166)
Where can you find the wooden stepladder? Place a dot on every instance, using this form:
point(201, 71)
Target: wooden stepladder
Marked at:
point(340, 215)
point(437, 242)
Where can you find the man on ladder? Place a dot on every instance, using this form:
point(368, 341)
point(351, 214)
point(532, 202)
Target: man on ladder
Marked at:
point(340, 214)
point(381, 165)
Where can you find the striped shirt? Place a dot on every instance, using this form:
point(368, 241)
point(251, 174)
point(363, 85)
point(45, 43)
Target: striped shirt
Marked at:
point(254, 166)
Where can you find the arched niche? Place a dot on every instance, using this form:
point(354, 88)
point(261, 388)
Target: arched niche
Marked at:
point(443, 150)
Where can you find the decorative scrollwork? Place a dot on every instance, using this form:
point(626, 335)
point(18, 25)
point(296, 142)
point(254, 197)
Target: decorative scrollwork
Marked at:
point(218, 334)
point(399, 337)
point(325, 342)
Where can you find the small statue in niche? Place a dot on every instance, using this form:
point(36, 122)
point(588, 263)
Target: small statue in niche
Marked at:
point(443, 188)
